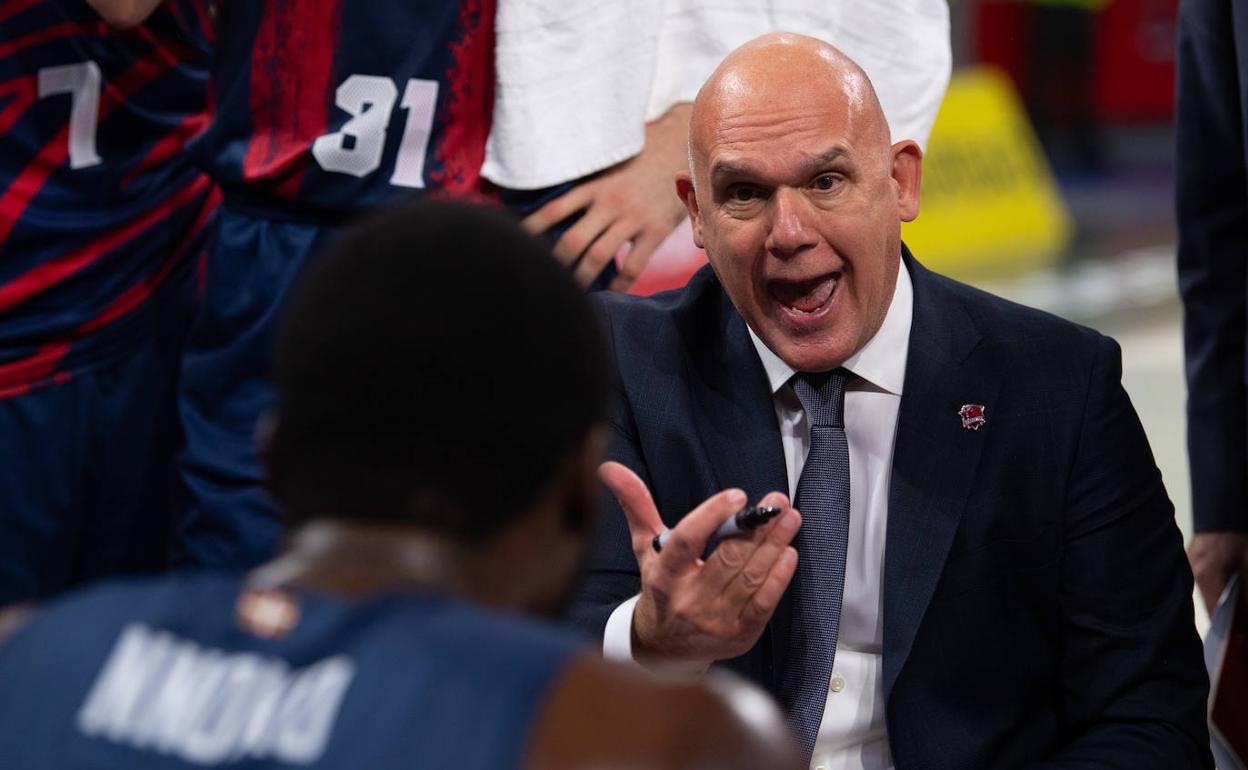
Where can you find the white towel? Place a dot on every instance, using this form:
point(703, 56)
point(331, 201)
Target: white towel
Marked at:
point(576, 81)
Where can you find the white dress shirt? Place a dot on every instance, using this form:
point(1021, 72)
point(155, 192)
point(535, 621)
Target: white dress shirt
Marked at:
point(852, 735)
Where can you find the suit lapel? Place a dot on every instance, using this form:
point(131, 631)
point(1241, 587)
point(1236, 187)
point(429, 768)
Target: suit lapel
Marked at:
point(736, 418)
point(935, 460)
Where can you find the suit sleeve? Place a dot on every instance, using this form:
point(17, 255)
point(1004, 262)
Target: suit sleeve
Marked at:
point(610, 575)
point(1133, 684)
point(1212, 208)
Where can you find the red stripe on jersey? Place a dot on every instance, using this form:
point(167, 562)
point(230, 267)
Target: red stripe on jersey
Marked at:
point(14, 7)
point(470, 107)
point(24, 90)
point(17, 197)
point(292, 66)
point(137, 294)
point(16, 377)
point(53, 271)
point(21, 376)
point(169, 146)
point(48, 34)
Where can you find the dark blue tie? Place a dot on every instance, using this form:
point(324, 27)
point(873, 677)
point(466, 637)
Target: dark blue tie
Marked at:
point(823, 499)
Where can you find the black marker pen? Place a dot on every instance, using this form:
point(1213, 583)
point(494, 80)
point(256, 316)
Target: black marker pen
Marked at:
point(741, 522)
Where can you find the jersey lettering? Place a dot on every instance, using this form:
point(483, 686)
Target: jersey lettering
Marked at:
point(172, 696)
point(357, 147)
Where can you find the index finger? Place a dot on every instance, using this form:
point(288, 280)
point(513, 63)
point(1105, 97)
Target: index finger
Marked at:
point(634, 498)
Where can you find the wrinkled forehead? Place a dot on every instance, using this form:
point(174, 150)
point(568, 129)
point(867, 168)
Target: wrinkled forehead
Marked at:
point(782, 129)
point(777, 100)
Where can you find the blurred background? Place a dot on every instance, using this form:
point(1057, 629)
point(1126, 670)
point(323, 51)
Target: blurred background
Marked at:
point(1049, 180)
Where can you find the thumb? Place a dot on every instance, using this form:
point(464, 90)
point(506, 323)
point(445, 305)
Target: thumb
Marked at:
point(633, 496)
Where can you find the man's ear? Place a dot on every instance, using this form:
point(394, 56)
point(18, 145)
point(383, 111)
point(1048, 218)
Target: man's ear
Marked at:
point(684, 189)
point(908, 176)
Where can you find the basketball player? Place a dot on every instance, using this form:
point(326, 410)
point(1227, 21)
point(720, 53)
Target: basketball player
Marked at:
point(324, 109)
point(439, 469)
point(103, 219)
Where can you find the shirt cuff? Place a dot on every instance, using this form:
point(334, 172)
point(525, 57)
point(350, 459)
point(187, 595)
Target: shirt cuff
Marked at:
point(617, 639)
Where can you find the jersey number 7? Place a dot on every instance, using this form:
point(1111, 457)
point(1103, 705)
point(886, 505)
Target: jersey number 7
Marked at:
point(82, 82)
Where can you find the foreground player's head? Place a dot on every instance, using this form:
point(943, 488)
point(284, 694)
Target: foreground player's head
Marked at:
point(438, 372)
point(798, 197)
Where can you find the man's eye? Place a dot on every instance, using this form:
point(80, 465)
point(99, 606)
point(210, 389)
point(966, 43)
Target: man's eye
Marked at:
point(742, 193)
point(826, 182)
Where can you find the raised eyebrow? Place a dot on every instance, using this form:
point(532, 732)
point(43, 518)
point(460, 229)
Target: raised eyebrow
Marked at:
point(824, 158)
point(731, 170)
point(728, 170)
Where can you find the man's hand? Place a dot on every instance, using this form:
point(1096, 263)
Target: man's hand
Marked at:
point(632, 202)
point(1215, 557)
point(698, 611)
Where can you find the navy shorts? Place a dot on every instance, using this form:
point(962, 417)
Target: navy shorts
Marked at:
point(87, 484)
point(230, 521)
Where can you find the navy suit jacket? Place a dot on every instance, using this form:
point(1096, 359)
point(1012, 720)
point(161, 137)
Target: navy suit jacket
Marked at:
point(1037, 602)
point(1212, 184)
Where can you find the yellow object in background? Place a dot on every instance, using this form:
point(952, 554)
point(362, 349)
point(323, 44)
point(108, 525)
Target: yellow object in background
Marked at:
point(989, 205)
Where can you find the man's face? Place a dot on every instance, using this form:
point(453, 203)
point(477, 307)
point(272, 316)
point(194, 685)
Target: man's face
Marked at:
point(799, 210)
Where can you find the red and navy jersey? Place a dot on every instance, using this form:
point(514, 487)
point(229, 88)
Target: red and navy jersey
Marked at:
point(99, 203)
point(328, 107)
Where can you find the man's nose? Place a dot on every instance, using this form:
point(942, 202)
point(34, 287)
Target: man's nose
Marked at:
point(791, 227)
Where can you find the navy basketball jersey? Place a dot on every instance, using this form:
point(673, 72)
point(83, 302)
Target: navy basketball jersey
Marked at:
point(198, 672)
point(98, 202)
point(328, 107)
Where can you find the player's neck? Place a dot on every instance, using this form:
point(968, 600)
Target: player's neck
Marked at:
point(355, 561)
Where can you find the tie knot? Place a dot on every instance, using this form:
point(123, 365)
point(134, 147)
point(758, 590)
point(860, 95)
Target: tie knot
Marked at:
point(823, 396)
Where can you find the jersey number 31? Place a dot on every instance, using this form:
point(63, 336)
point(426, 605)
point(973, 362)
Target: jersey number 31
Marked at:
point(357, 147)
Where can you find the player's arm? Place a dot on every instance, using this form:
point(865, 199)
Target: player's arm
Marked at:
point(608, 715)
point(124, 14)
point(631, 202)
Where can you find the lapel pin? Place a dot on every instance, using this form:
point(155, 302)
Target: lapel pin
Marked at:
point(972, 416)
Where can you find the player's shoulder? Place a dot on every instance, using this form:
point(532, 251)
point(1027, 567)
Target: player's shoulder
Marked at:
point(105, 606)
point(486, 639)
point(717, 720)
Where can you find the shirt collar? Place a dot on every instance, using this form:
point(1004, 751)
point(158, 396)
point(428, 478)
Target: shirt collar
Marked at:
point(881, 362)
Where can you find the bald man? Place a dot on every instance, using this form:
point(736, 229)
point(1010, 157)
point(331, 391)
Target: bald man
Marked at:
point(985, 571)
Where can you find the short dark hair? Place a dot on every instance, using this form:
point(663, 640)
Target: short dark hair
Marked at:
point(435, 367)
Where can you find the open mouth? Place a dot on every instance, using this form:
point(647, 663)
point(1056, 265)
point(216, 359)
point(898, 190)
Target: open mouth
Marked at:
point(805, 297)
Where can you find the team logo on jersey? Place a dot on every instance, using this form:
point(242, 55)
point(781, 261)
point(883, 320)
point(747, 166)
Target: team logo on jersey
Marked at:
point(267, 613)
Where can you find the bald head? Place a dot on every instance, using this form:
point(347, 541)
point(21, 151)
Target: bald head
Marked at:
point(783, 72)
